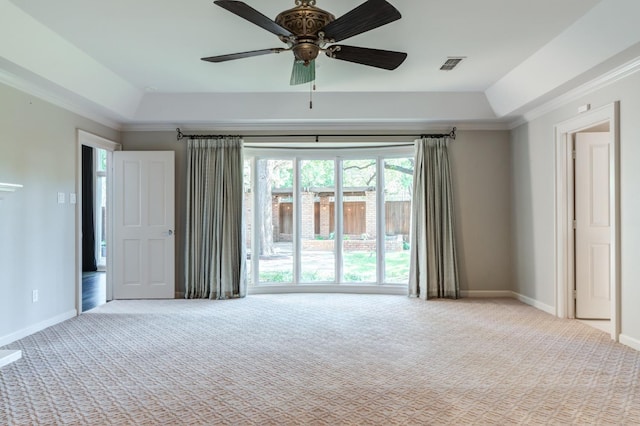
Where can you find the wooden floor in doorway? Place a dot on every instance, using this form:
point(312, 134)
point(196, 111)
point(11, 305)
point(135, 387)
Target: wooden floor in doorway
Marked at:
point(94, 289)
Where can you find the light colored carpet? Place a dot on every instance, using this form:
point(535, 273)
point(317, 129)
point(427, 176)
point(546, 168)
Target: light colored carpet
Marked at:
point(320, 359)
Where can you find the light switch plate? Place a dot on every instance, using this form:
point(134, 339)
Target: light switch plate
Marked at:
point(60, 197)
point(72, 197)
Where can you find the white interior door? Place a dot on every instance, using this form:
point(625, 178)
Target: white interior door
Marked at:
point(144, 246)
point(593, 225)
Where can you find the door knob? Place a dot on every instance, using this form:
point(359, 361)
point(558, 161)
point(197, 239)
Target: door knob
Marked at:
point(170, 232)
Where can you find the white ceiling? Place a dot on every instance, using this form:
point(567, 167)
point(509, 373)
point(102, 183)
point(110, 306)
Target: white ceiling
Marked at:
point(138, 62)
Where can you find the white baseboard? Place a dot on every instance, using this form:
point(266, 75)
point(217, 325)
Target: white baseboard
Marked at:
point(9, 356)
point(533, 302)
point(630, 341)
point(10, 338)
point(486, 293)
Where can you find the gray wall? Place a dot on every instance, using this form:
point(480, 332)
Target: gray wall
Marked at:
point(533, 199)
point(482, 195)
point(480, 163)
point(37, 235)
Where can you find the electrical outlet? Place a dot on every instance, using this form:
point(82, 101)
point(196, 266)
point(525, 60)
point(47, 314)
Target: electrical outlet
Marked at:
point(60, 197)
point(34, 296)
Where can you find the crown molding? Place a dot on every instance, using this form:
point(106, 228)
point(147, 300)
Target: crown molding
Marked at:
point(46, 95)
point(9, 187)
point(598, 83)
point(517, 122)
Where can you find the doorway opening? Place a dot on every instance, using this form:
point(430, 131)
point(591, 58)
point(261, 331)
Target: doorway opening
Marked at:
point(93, 220)
point(581, 261)
point(94, 229)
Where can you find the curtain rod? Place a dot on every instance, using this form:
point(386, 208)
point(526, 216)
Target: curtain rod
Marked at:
point(451, 135)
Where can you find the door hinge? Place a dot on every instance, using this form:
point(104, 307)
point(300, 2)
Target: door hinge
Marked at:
point(573, 154)
point(575, 224)
point(575, 294)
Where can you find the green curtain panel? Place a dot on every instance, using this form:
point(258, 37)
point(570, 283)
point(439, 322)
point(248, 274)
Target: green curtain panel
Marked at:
point(215, 256)
point(434, 265)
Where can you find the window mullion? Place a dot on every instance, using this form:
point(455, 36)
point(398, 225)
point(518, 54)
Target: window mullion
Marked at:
point(339, 269)
point(380, 221)
point(255, 227)
point(297, 222)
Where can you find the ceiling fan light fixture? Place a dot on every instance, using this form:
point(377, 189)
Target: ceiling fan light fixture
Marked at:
point(306, 52)
point(303, 73)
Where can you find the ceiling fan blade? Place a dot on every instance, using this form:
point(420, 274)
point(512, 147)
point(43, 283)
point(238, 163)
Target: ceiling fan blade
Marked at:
point(302, 73)
point(386, 59)
point(232, 56)
point(245, 11)
point(369, 15)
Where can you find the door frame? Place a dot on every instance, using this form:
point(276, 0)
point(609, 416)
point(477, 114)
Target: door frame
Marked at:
point(89, 139)
point(564, 209)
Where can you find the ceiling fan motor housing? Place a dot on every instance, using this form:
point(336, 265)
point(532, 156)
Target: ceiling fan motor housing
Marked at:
point(305, 21)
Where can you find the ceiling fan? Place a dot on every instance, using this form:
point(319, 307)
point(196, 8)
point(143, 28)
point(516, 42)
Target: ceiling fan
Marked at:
point(308, 30)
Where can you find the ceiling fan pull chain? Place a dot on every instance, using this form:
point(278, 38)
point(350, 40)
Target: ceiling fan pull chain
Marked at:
point(311, 89)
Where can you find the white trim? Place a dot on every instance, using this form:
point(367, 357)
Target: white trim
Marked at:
point(630, 341)
point(255, 224)
point(65, 103)
point(297, 156)
point(398, 290)
point(9, 356)
point(598, 83)
point(322, 151)
point(20, 334)
point(517, 123)
point(339, 219)
point(487, 293)
point(380, 221)
point(89, 139)
point(563, 230)
point(297, 221)
point(9, 187)
point(511, 295)
point(96, 141)
point(535, 303)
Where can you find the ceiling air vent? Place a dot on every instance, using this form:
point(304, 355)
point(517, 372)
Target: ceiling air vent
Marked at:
point(451, 63)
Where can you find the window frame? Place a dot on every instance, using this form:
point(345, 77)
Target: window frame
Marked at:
point(337, 154)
